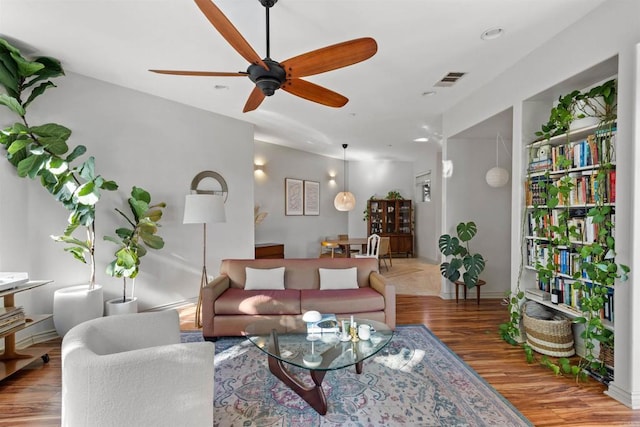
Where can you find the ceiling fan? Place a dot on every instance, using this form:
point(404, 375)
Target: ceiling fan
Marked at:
point(269, 75)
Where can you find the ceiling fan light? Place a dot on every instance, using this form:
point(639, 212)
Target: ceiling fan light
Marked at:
point(344, 201)
point(268, 85)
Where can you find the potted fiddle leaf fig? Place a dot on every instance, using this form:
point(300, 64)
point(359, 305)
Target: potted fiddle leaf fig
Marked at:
point(42, 153)
point(461, 262)
point(133, 241)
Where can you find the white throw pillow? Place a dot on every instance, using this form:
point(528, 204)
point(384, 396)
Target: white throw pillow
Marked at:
point(260, 279)
point(338, 278)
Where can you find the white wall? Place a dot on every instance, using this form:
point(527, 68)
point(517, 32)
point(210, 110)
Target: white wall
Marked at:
point(376, 178)
point(138, 140)
point(428, 223)
point(468, 197)
point(301, 234)
point(606, 32)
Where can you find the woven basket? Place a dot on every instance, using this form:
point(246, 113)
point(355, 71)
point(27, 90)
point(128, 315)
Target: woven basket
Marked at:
point(606, 354)
point(550, 337)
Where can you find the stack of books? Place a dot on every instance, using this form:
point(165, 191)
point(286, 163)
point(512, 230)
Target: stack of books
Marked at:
point(11, 317)
point(537, 295)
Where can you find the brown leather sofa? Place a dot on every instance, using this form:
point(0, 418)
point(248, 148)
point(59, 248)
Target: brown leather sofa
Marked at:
point(227, 308)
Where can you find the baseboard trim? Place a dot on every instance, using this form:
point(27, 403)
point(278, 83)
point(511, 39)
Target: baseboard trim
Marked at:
point(632, 400)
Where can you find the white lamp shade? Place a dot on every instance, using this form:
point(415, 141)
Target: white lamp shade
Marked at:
point(203, 208)
point(497, 177)
point(344, 201)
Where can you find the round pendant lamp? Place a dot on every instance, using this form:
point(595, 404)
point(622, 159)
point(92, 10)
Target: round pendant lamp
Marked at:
point(497, 177)
point(344, 200)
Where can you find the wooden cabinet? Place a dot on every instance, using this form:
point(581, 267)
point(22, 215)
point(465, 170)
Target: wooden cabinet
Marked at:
point(12, 360)
point(393, 219)
point(269, 250)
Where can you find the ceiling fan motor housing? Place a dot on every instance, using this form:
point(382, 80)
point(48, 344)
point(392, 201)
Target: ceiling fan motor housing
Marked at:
point(267, 80)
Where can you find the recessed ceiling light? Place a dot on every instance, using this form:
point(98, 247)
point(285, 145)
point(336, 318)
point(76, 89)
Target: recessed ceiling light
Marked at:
point(492, 33)
point(422, 139)
point(428, 93)
point(219, 87)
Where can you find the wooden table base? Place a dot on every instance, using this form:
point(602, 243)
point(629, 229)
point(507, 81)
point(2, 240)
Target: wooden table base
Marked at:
point(313, 395)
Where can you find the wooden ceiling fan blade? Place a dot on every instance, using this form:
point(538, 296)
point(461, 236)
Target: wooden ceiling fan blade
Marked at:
point(201, 73)
point(255, 99)
point(313, 92)
point(330, 57)
point(229, 32)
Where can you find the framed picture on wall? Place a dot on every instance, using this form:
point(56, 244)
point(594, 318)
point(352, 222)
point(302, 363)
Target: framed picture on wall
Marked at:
point(311, 198)
point(293, 196)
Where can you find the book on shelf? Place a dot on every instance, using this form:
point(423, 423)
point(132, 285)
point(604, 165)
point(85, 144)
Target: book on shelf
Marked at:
point(11, 317)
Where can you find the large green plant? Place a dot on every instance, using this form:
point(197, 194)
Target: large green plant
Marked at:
point(462, 262)
point(42, 153)
point(134, 240)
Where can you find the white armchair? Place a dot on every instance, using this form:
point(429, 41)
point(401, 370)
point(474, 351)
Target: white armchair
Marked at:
point(132, 370)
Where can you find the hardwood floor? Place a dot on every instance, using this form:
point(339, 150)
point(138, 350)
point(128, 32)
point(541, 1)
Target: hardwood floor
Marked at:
point(32, 396)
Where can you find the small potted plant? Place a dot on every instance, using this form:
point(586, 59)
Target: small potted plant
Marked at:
point(463, 263)
point(133, 242)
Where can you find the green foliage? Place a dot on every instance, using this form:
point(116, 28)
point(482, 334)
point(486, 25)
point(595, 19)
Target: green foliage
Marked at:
point(134, 240)
point(394, 195)
point(597, 259)
point(463, 263)
point(42, 152)
point(510, 330)
point(599, 102)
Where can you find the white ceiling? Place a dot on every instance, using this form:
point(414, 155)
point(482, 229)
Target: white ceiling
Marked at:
point(419, 42)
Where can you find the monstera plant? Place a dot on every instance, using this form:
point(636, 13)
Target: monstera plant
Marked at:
point(461, 262)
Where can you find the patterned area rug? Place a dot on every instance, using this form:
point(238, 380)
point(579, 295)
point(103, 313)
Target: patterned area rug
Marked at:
point(415, 381)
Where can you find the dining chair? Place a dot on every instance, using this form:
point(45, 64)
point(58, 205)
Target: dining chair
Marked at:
point(373, 247)
point(385, 252)
point(352, 250)
point(330, 250)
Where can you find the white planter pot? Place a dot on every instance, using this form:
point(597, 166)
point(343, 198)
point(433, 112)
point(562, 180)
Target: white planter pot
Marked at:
point(117, 306)
point(76, 304)
point(588, 121)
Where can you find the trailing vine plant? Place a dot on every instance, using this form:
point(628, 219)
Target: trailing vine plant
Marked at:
point(598, 269)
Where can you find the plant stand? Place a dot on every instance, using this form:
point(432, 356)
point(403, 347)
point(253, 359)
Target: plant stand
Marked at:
point(459, 283)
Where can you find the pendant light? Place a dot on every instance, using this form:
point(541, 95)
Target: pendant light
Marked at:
point(344, 200)
point(497, 177)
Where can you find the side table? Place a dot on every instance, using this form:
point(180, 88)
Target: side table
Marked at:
point(459, 283)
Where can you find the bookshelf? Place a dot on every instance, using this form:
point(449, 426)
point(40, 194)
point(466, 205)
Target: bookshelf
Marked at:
point(393, 219)
point(570, 193)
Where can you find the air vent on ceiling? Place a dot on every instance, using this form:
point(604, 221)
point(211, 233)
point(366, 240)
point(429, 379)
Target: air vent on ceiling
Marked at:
point(450, 79)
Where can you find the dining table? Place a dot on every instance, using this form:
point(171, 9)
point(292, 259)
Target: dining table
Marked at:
point(345, 244)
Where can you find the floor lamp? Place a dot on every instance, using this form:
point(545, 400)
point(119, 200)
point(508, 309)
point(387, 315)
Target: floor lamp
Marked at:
point(203, 209)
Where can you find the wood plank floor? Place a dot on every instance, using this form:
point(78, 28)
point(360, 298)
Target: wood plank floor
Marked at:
point(32, 396)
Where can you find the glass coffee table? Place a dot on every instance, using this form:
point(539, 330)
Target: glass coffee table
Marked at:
point(286, 343)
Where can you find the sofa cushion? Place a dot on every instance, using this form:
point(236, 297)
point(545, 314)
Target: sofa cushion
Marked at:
point(338, 278)
point(300, 273)
point(264, 278)
point(239, 301)
point(341, 301)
